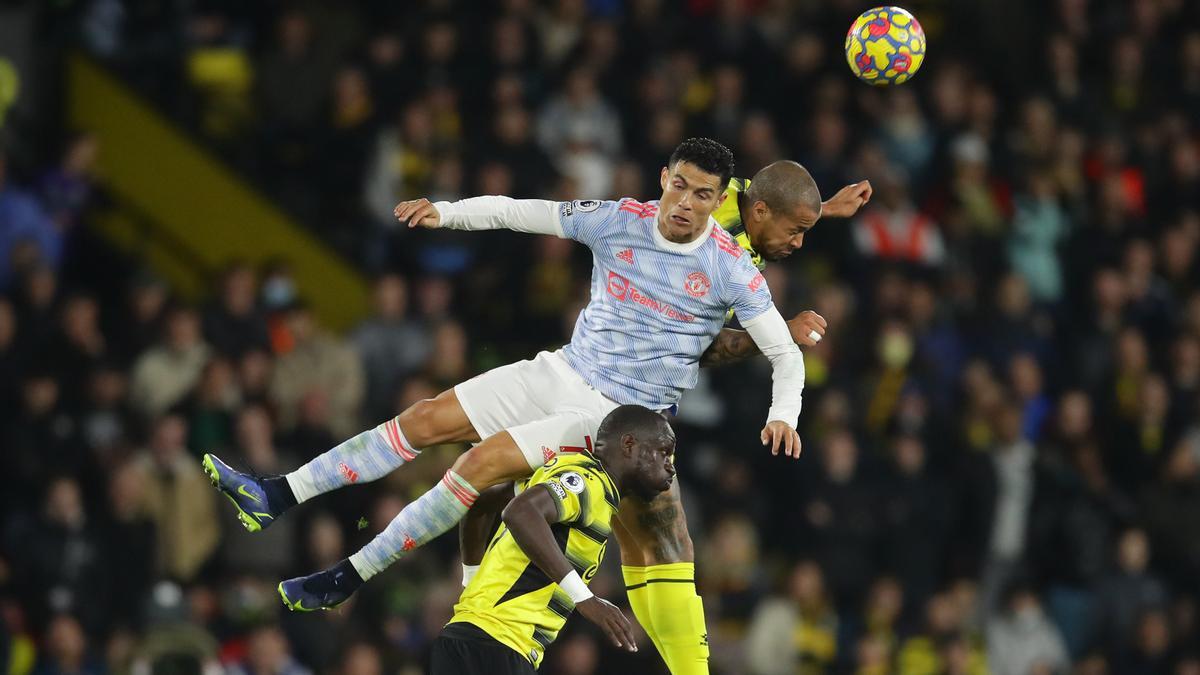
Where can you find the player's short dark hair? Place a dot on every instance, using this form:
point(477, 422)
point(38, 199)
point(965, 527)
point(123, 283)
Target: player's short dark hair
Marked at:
point(706, 154)
point(785, 186)
point(638, 420)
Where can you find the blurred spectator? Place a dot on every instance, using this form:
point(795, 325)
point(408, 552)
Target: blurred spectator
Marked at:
point(447, 364)
point(138, 323)
point(39, 444)
point(1021, 640)
point(840, 520)
point(165, 373)
point(67, 188)
point(794, 632)
point(893, 230)
point(1129, 592)
point(1013, 464)
point(180, 500)
point(1038, 226)
point(211, 407)
point(915, 520)
point(317, 362)
point(582, 133)
point(67, 651)
point(292, 85)
point(267, 654)
point(513, 146)
point(361, 659)
point(79, 348)
point(1152, 645)
point(28, 236)
point(234, 324)
point(106, 423)
point(390, 344)
point(65, 561)
point(129, 536)
point(350, 134)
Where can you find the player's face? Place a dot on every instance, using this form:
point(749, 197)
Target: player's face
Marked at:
point(655, 467)
point(781, 233)
point(689, 197)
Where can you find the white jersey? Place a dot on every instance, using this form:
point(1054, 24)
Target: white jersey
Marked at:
point(655, 305)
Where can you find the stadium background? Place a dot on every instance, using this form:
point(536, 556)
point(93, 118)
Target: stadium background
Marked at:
point(1002, 428)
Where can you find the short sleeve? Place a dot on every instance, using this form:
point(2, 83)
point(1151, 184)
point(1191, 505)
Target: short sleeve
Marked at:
point(569, 486)
point(586, 220)
point(748, 293)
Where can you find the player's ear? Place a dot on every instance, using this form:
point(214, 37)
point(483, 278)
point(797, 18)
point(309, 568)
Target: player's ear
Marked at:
point(627, 443)
point(662, 178)
point(761, 210)
point(721, 198)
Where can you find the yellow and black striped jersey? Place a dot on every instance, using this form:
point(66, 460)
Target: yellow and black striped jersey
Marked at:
point(729, 217)
point(510, 598)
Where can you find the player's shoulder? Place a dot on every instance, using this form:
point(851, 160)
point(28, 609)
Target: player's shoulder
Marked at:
point(625, 207)
point(579, 472)
point(730, 252)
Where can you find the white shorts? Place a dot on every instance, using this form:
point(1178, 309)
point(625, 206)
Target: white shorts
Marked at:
point(544, 404)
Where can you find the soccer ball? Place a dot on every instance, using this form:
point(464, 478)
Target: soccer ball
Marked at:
point(885, 45)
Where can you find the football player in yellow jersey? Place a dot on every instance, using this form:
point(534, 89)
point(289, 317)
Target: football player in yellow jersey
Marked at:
point(553, 537)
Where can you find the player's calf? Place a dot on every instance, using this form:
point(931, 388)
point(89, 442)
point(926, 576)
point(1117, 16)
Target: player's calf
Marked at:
point(656, 558)
point(369, 456)
point(496, 460)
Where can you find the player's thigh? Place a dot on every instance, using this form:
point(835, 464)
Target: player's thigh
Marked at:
point(516, 452)
point(441, 419)
point(657, 529)
point(509, 396)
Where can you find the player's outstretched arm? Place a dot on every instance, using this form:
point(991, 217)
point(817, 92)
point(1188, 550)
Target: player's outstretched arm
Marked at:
point(847, 201)
point(732, 345)
point(528, 517)
point(536, 216)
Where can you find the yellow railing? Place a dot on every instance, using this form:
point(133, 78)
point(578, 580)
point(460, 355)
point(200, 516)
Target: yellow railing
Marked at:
point(183, 195)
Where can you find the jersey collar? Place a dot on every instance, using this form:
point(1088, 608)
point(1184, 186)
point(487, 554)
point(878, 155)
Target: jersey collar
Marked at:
point(663, 243)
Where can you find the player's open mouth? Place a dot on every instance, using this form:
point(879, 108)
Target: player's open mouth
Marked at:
point(680, 220)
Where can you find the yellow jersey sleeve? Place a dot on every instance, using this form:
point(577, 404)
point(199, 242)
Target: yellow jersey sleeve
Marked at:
point(574, 487)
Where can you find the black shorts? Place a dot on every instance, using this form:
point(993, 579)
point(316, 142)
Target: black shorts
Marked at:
point(465, 649)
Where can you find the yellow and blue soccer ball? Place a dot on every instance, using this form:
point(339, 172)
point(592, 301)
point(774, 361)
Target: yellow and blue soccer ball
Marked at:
point(885, 45)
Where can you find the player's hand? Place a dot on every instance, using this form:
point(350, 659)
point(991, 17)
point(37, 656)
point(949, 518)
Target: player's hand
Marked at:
point(418, 213)
point(781, 435)
point(611, 620)
point(807, 328)
point(848, 200)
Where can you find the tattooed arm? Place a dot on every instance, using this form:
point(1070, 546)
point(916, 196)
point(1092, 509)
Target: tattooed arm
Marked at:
point(732, 344)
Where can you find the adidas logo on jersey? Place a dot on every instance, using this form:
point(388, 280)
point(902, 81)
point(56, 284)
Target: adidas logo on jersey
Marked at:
point(626, 255)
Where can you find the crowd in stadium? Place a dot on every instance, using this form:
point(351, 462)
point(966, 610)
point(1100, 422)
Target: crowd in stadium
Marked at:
point(1001, 429)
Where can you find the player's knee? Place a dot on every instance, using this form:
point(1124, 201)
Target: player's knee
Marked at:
point(491, 463)
point(424, 423)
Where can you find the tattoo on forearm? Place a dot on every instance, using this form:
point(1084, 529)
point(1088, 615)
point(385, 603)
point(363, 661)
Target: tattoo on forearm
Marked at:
point(729, 346)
